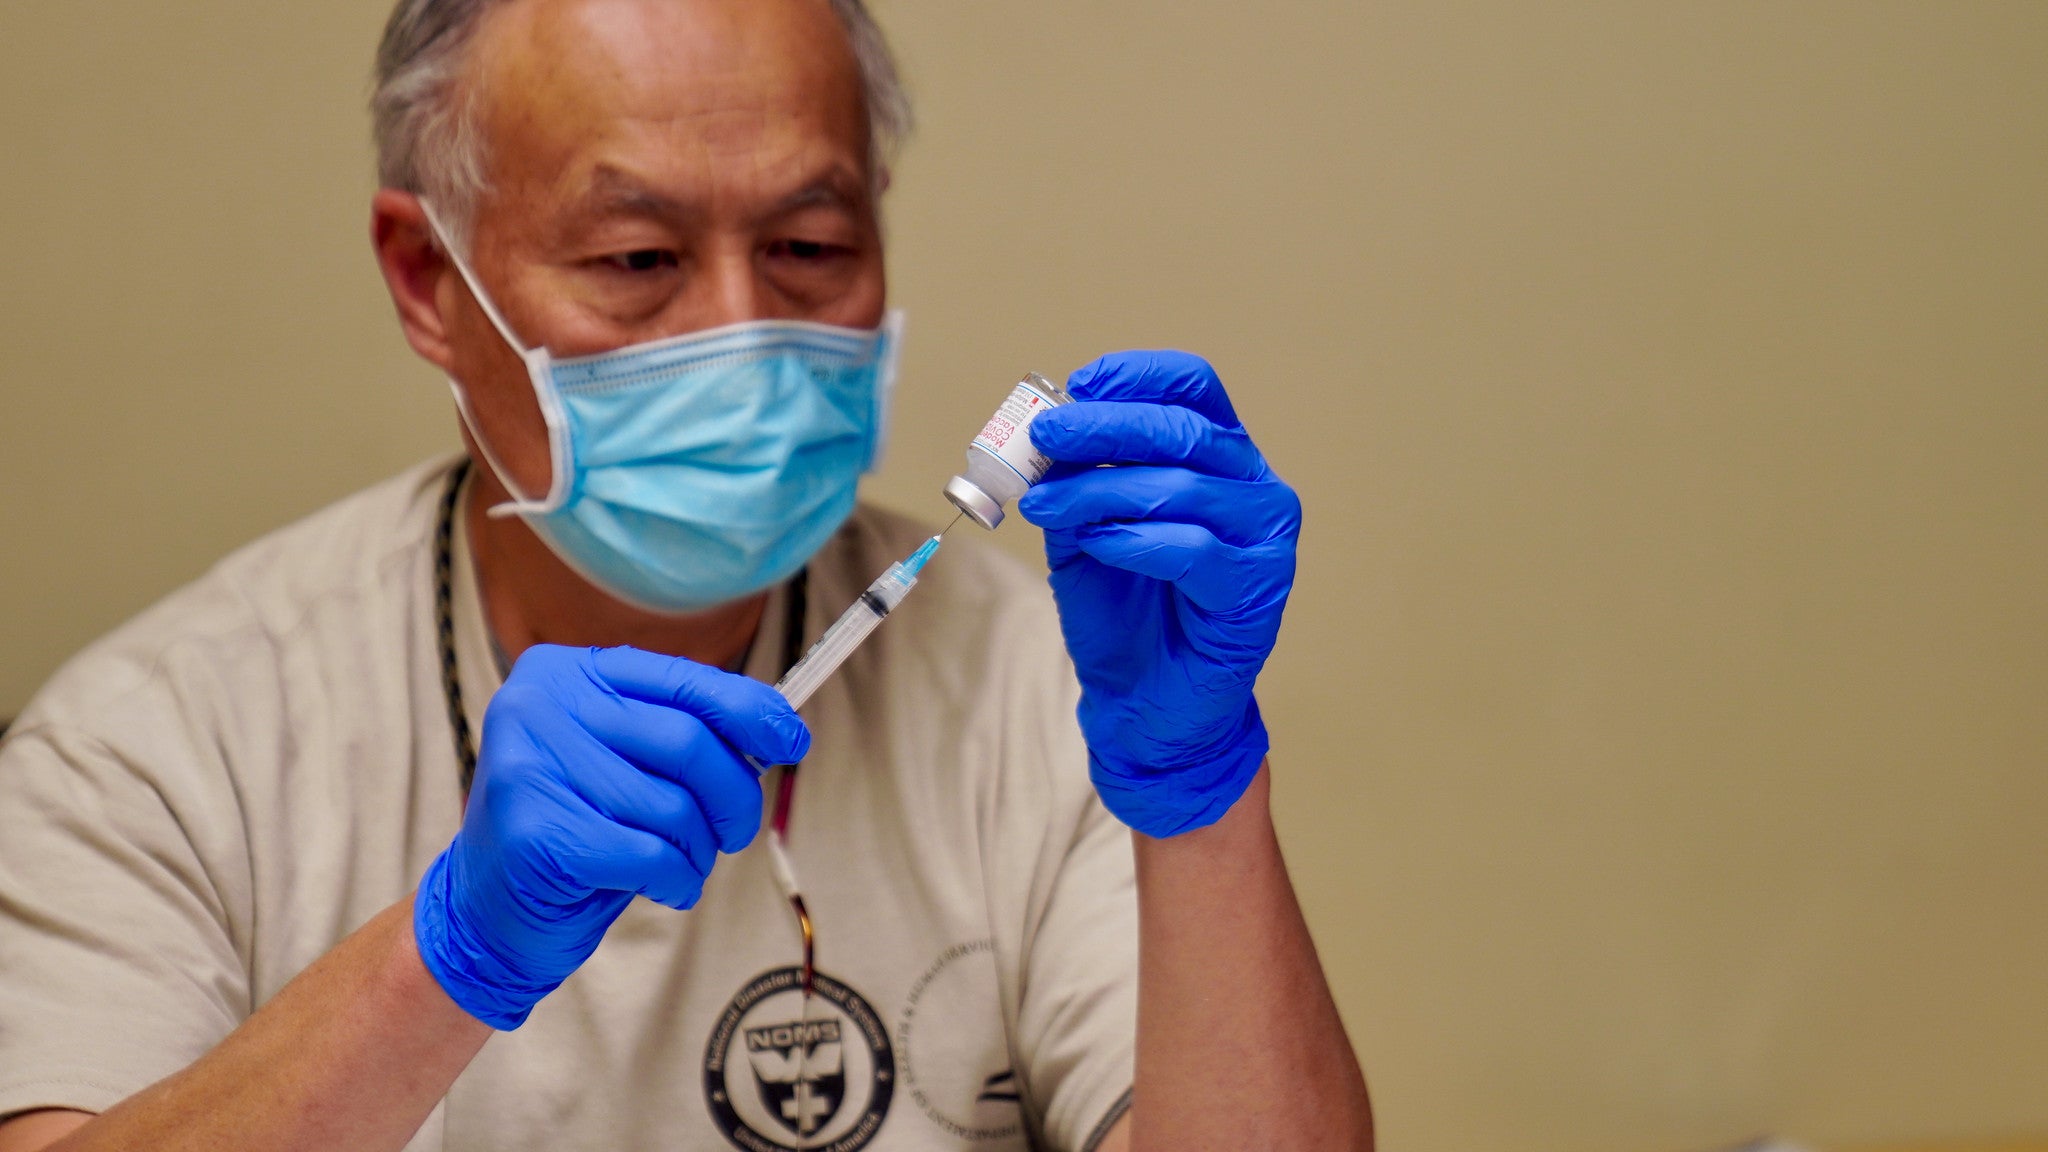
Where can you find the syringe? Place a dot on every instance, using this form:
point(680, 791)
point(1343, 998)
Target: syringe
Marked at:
point(853, 626)
point(797, 684)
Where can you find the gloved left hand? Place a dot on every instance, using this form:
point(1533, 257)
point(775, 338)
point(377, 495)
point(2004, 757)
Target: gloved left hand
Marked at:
point(1171, 572)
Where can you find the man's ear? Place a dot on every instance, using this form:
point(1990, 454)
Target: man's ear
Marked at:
point(414, 268)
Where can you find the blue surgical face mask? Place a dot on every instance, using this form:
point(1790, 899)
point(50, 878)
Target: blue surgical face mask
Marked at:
point(697, 470)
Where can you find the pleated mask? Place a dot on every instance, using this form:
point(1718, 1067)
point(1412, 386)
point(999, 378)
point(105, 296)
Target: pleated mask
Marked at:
point(699, 469)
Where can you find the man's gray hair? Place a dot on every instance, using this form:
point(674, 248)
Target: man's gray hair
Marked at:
point(425, 123)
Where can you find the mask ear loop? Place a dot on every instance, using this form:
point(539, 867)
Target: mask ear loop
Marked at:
point(891, 335)
point(538, 373)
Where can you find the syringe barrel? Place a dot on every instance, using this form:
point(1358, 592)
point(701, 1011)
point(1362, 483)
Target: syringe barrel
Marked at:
point(829, 652)
point(890, 588)
point(853, 626)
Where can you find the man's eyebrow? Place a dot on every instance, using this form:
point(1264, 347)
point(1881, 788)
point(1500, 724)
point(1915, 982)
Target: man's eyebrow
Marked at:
point(614, 192)
point(831, 190)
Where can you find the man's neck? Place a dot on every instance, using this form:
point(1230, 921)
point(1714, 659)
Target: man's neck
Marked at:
point(530, 597)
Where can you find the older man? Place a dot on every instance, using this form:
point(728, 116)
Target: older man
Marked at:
point(271, 875)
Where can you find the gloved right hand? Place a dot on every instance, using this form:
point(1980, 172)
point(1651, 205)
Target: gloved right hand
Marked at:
point(603, 773)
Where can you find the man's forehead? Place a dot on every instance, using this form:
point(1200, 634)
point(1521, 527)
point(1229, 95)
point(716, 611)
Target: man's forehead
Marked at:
point(686, 80)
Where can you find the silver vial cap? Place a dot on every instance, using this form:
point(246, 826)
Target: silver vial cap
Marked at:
point(969, 498)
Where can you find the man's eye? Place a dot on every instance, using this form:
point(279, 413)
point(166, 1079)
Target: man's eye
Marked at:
point(802, 249)
point(643, 260)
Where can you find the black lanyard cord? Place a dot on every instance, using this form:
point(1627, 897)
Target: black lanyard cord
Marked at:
point(444, 625)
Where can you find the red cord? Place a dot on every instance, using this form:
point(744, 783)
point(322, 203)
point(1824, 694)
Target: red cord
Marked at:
point(785, 793)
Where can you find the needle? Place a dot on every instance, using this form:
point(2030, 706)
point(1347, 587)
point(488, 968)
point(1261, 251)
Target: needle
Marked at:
point(950, 523)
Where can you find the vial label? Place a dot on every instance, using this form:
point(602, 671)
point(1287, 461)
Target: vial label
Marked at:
point(1004, 437)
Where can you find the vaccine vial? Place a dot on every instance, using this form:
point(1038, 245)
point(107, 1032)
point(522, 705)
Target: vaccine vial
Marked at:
point(1001, 463)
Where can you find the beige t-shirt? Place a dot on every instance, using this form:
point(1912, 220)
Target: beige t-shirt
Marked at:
point(203, 802)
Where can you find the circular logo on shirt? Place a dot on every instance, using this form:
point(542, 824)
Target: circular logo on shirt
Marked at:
point(957, 1080)
point(782, 1074)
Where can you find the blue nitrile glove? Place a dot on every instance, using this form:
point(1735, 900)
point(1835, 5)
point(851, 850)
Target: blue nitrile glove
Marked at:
point(1170, 573)
point(603, 773)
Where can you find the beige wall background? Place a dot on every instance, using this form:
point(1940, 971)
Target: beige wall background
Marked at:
point(1660, 719)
